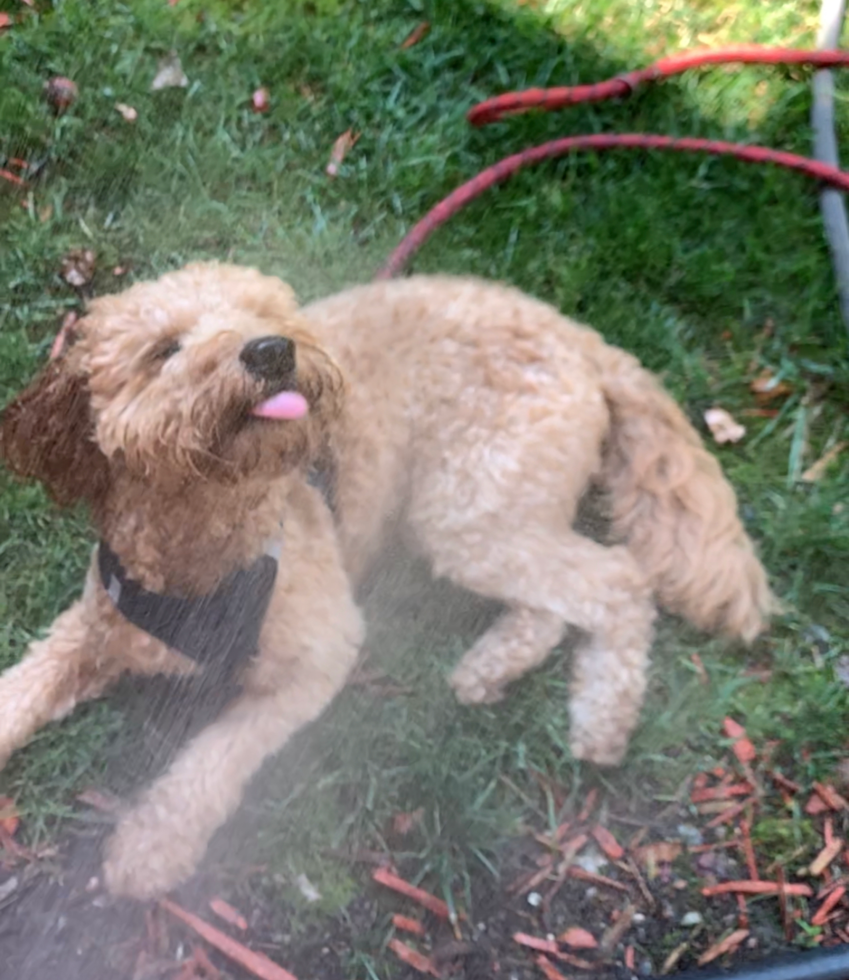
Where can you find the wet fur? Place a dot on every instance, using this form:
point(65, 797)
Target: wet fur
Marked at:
point(475, 416)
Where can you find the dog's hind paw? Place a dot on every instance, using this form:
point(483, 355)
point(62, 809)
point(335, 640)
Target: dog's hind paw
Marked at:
point(470, 688)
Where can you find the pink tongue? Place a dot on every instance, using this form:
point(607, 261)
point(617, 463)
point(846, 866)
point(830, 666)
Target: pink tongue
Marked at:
point(284, 405)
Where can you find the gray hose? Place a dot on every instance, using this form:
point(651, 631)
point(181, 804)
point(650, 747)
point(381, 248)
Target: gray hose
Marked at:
point(825, 149)
point(821, 964)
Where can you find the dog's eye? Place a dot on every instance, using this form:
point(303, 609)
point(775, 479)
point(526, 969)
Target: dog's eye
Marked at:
point(166, 350)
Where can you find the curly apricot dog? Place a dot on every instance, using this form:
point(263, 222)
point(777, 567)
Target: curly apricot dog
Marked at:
point(187, 412)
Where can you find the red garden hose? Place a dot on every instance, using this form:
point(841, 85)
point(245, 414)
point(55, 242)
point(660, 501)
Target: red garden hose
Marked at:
point(546, 99)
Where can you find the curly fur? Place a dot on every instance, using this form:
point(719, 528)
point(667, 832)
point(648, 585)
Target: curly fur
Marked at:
point(471, 413)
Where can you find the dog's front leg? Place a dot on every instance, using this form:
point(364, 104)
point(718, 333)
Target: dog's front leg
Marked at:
point(309, 644)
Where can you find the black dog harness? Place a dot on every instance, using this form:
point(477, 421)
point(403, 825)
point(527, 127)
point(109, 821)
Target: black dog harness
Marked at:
point(219, 630)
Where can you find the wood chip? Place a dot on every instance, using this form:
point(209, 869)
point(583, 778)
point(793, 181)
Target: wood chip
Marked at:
point(757, 888)
point(433, 904)
point(726, 945)
point(412, 957)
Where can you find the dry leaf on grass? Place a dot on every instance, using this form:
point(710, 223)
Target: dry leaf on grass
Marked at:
point(816, 472)
point(61, 93)
point(415, 35)
point(169, 73)
point(766, 387)
point(9, 816)
point(726, 945)
point(340, 149)
point(128, 113)
point(723, 427)
point(261, 100)
point(78, 267)
point(403, 823)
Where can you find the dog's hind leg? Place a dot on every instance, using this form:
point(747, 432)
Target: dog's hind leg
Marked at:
point(548, 580)
point(56, 674)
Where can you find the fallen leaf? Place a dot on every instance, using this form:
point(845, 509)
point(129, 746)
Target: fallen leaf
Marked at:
point(256, 963)
point(224, 910)
point(726, 945)
point(9, 815)
point(403, 823)
point(340, 149)
point(765, 387)
point(169, 73)
point(61, 93)
point(261, 100)
point(722, 426)
point(578, 938)
point(127, 111)
point(608, 843)
point(412, 957)
point(78, 267)
point(816, 472)
point(415, 35)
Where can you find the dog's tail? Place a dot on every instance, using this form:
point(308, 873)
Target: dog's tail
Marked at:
point(673, 506)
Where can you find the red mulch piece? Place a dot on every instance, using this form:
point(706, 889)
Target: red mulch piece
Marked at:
point(748, 850)
point(549, 969)
point(415, 35)
point(829, 795)
point(256, 963)
point(406, 924)
point(412, 957)
point(433, 904)
point(578, 938)
point(595, 879)
point(757, 888)
point(784, 783)
point(726, 945)
point(825, 857)
point(224, 910)
point(608, 843)
point(816, 805)
point(742, 747)
point(720, 792)
point(629, 958)
point(10, 818)
point(550, 946)
point(589, 805)
point(729, 813)
point(824, 910)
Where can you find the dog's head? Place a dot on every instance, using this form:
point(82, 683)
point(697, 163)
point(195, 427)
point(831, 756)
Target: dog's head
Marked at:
point(206, 373)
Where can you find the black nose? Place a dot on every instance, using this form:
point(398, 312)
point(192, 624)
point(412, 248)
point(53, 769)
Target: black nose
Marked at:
point(269, 358)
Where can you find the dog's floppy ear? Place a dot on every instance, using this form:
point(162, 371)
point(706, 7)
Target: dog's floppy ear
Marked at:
point(47, 434)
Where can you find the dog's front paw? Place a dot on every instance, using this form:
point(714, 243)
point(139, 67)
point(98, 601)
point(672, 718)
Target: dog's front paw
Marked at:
point(147, 855)
point(471, 688)
point(603, 752)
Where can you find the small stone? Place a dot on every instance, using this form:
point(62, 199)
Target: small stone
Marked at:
point(690, 835)
point(638, 918)
point(591, 892)
point(534, 900)
point(691, 919)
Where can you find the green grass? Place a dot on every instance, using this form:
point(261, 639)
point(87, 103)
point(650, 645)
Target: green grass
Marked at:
point(682, 260)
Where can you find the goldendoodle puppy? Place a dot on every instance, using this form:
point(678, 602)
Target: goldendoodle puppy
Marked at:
point(187, 413)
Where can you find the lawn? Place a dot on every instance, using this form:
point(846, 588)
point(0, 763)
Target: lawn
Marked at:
point(714, 272)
